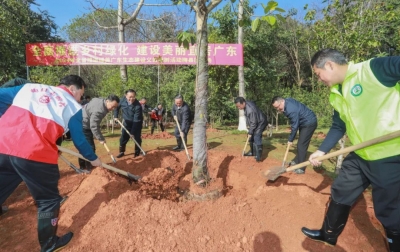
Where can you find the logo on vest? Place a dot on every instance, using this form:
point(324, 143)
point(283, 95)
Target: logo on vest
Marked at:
point(44, 99)
point(356, 90)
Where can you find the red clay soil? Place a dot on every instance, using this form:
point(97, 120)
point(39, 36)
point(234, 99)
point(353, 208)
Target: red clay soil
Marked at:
point(107, 213)
point(161, 135)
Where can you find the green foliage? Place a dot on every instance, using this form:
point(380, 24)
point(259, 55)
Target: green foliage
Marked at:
point(20, 25)
point(269, 17)
point(360, 29)
point(50, 75)
point(185, 38)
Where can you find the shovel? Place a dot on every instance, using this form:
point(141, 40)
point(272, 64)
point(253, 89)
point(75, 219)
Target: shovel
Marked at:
point(275, 172)
point(73, 166)
point(120, 123)
point(108, 167)
point(245, 146)
point(183, 140)
point(109, 153)
point(286, 153)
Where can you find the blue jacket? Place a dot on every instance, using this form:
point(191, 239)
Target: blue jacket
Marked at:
point(299, 115)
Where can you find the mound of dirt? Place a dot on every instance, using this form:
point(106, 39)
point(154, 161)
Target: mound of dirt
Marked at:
point(107, 213)
point(161, 135)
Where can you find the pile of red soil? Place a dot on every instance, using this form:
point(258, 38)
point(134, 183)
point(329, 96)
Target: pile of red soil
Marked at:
point(161, 135)
point(107, 213)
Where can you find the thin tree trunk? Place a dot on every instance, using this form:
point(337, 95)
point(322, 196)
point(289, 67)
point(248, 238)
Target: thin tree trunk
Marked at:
point(242, 118)
point(121, 39)
point(200, 171)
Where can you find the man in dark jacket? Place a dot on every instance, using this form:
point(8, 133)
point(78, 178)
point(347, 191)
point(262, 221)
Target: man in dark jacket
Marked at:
point(93, 113)
point(156, 117)
point(181, 111)
point(256, 122)
point(302, 119)
point(133, 119)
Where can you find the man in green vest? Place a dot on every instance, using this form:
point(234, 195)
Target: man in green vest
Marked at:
point(366, 102)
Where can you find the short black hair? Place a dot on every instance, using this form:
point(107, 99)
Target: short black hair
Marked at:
point(321, 57)
point(179, 96)
point(130, 91)
point(87, 97)
point(144, 98)
point(240, 100)
point(113, 97)
point(72, 79)
point(276, 98)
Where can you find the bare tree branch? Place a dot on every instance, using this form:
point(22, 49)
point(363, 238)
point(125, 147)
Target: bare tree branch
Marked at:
point(213, 4)
point(135, 13)
point(152, 20)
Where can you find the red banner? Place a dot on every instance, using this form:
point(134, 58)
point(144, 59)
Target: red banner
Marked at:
point(59, 54)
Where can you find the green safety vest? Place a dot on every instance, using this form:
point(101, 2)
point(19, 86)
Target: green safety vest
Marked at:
point(369, 109)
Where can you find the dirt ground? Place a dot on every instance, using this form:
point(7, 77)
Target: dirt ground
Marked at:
point(108, 213)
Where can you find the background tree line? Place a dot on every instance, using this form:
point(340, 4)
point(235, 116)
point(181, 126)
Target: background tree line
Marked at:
point(276, 58)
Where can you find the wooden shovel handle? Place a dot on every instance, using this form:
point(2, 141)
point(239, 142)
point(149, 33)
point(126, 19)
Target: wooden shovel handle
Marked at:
point(245, 146)
point(109, 167)
point(373, 141)
point(107, 149)
point(286, 153)
point(183, 140)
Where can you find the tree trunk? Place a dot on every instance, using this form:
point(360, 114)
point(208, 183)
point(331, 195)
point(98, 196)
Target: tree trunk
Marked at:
point(242, 119)
point(200, 171)
point(121, 39)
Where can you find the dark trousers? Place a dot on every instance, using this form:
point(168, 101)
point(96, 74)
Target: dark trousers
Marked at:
point(185, 133)
point(257, 134)
point(154, 125)
point(357, 174)
point(305, 135)
point(83, 164)
point(135, 129)
point(40, 178)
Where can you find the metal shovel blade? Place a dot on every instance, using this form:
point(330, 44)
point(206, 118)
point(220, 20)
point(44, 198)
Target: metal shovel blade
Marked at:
point(274, 173)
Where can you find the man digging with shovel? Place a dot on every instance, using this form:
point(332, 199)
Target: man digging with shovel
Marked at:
point(39, 115)
point(257, 122)
point(366, 98)
point(181, 113)
point(93, 112)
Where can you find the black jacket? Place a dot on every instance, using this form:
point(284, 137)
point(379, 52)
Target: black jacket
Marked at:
point(255, 118)
point(183, 114)
point(130, 113)
point(299, 115)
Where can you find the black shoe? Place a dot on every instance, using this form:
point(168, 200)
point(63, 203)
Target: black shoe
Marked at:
point(333, 225)
point(393, 239)
point(137, 154)
point(58, 243)
point(121, 151)
point(251, 151)
point(178, 147)
point(317, 235)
